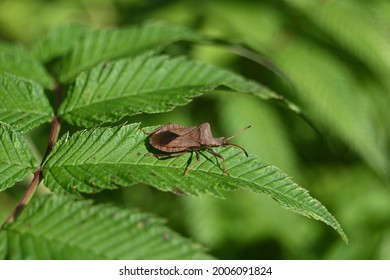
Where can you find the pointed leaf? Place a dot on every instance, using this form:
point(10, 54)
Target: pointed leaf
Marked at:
point(59, 42)
point(16, 158)
point(103, 158)
point(104, 45)
point(22, 63)
point(64, 229)
point(23, 104)
point(145, 84)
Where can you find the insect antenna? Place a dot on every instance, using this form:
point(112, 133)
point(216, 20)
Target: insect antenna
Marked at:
point(226, 143)
point(238, 133)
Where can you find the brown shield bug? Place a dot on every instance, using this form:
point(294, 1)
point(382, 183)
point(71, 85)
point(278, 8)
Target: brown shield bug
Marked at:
point(176, 140)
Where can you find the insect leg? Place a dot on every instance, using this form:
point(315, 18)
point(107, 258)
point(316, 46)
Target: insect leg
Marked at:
point(167, 155)
point(221, 157)
point(190, 167)
point(148, 133)
point(215, 154)
point(197, 155)
point(154, 130)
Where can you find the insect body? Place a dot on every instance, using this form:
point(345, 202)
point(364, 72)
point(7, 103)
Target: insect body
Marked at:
point(176, 140)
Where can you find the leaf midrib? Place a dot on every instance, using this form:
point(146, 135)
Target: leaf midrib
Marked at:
point(141, 93)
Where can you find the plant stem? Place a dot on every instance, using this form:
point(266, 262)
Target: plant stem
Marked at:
point(55, 129)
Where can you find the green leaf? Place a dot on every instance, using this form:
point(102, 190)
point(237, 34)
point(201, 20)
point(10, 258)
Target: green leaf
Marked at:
point(22, 63)
point(60, 228)
point(104, 45)
point(145, 84)
point(16, 158)
point(59, 42)
point(23, 104)
point(105, 158)
point(327, 85)
point(3, 245)
point(334, 98)
point(354, 29)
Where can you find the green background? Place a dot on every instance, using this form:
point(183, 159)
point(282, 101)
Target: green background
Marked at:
point(334, 58)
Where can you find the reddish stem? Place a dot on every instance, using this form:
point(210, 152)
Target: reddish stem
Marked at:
point(55, 129)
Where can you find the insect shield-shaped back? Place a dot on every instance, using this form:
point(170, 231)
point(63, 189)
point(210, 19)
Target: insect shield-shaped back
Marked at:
point(176, 140)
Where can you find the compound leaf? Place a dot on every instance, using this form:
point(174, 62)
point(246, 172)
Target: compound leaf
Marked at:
point(23, 104)
point(61, 228)
point(105, 158)
point(16, 158)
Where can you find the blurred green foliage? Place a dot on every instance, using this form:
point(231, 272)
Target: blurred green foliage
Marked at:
point(335, 60)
